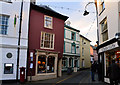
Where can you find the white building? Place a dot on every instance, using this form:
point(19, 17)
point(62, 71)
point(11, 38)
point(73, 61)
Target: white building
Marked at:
point(71, 55)
point(9, 34)
point(108, 26)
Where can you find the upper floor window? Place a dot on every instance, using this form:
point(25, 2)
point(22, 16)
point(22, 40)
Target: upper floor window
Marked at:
point(73, 48)
point(47, 40)
point(48, 22)
point(82, 41)
point(73, 36)
point(82, 51)
point(102, 5)
point(3, 24)
point(104, 30)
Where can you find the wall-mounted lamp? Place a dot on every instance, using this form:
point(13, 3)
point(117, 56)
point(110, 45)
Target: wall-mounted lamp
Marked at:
point(117, 36)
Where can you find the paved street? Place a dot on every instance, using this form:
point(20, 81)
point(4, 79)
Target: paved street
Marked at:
point(79, 78)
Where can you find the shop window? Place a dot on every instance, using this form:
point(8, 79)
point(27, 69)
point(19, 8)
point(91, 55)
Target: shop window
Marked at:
point(47, 40)
point(46, 65)
point(76, 63)
point(8, 68)
point(41, 64)
point(70, 62)
point(48, 22)
point(50, 64)
point(109, 58)
point(3, 24)
point(64, 62)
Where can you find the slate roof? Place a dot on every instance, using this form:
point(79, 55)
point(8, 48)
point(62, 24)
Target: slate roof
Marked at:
point(48, 11)
point(85, 38)
point(71, 28)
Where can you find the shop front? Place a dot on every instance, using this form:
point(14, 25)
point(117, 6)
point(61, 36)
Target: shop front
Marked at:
point(45, 66)
point(70, 62)
point(106, 55)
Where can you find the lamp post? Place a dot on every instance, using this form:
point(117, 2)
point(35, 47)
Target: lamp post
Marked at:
point(19, 36)
point(87, 12)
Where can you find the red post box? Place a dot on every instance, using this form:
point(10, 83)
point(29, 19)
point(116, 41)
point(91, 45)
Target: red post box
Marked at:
point(22, 74)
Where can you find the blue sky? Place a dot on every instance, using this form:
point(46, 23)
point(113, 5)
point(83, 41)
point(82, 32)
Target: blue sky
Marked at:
point(74, 10)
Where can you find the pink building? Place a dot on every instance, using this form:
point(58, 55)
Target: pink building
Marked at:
point(94, 54)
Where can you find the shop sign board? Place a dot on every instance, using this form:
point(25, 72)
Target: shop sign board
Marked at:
point(108, 47)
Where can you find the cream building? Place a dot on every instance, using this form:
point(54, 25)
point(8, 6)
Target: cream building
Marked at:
point(109, 34)
point(84, 52)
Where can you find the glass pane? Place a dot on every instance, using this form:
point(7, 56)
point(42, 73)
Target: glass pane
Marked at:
point(41, 64)
point(3, 18)
point(50, 64)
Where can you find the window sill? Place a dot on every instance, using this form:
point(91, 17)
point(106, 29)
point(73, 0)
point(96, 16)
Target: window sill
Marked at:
point(45, 74)
point(7, 1)
point(101, 12)
point(48, 28)
point(47, 48)
point(104, 31)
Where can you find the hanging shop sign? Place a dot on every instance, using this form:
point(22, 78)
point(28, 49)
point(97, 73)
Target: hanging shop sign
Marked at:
point(108, 47)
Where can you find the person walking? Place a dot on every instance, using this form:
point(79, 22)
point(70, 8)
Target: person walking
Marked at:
point(113, 73)
point(100, 71)
point(93, 70)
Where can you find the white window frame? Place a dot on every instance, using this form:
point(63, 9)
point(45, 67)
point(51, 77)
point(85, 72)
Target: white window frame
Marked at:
point(50, 27)
point(102, 5)
point(44, 40)
point(105, 30)
point(1, 24)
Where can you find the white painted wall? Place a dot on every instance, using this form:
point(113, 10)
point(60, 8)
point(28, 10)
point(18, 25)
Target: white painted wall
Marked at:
point(9, 42)
point(67, 47)
point(68, 41)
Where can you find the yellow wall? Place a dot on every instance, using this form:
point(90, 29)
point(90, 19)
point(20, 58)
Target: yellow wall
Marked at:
point(86, 56)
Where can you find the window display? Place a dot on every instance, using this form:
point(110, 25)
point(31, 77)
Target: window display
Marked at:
point(45, 64)
point(112, 56)
point(50, 64)
point(41, 64)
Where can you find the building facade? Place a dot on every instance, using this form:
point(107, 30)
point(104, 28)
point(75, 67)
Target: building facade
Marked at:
point(71, 53)
point(9, 38)
point(94, 55)
point(45, 43)
point(109, 34)
point(84, 52)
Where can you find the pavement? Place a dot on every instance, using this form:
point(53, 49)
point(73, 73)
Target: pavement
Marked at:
point(76, 78)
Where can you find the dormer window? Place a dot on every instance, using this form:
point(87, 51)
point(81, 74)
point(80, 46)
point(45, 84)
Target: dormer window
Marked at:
point(47, 22)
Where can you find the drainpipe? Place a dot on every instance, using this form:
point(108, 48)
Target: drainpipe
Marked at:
point(18, 52)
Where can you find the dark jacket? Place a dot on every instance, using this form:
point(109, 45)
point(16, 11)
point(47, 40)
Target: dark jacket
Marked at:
point(114, 71)
point(93, 67)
